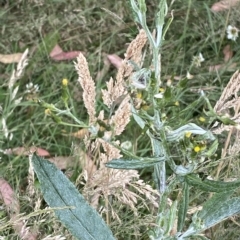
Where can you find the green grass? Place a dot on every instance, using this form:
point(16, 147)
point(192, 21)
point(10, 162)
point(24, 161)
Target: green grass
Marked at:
point(85, 26)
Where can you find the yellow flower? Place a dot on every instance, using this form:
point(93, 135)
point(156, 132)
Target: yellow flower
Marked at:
point(197, 149)
point(176, 103)
point(139, 95)
point(161, 90)
point(188, 134)
point(202, 119)
point(64, 82)
point(145, 107)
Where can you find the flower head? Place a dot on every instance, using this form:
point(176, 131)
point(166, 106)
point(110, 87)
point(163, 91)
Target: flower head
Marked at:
point(197, 149)
point(197, 60)
point(232, 33)
point(176, 103)
point(64, 82)
point(33, 89)
point(139, 79)
point(188, 134)
point(202, 119)
point(189, 76)
point(139, 95)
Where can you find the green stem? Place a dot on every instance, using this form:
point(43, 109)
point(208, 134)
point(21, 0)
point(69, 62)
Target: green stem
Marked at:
point(72, 125)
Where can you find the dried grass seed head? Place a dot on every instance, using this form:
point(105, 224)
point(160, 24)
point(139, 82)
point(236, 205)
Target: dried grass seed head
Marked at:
point(133, 53)
point(134, 50)
point(19, 71)
point(88, 86)
point(116, 90)
point(231, 90)
point(122, 116)
point(229, 100)
point(114, 93)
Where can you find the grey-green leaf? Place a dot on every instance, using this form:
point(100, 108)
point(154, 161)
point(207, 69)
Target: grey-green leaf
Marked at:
point(79, 217)
point(210, 185)
point(131, 163)
point(176, 135)
point(218, 211)
point(183, 207)
point(137, 118)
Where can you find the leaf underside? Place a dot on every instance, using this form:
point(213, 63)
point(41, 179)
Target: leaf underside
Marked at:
point(78, 216)
point(131, 163)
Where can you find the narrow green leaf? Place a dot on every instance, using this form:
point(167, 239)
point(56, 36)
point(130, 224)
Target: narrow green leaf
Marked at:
point(80, 218)
point(187, 112)
point(171, 218)
point(131, 163)
point(226, 120)
point(183, 83)
point(48, 43)
point(142, 6)
point(183, 206)
point(168, 93)
point(163, 9)
point(137, 118)
point(160, 176)
point(210, 185)
point(212, 149)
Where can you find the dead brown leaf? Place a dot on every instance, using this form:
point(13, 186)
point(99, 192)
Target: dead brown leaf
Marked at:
point(58, 54)
point(81, 157)
point(62, 162)
point(56, 50)
point(13, 208)
point(10, 58)
point(24, 151)
point(228, 53)
point(115, 60)
point(224, 5)
point(8, 196)
point(222, 66)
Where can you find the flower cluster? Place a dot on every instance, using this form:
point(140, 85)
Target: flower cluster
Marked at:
point(197, 60)
point(33, 89)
